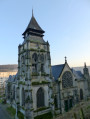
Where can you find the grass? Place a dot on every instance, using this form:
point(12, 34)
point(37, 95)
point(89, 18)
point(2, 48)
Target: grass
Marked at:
point(20, 115)
point(11, 111)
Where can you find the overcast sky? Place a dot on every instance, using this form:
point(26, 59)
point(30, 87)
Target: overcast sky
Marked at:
point(66, 24)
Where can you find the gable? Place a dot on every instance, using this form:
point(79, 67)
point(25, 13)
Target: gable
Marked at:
point(66, 68)
point(58, 70)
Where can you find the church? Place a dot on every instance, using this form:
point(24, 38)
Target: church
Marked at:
point(39, 90)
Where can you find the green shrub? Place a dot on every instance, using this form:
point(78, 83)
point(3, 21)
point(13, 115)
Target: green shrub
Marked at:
point(88, 107)
point(4, 101)
point(11, 111)
point(1, 100)
point(20, 115)
point(45, 116)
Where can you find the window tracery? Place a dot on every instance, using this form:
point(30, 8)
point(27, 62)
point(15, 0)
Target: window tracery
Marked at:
point(67, 80)
point(40, 98)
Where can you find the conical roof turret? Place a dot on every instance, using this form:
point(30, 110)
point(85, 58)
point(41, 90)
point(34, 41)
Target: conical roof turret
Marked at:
point(33, 27)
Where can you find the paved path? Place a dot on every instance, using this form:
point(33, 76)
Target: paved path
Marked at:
point(3, 113)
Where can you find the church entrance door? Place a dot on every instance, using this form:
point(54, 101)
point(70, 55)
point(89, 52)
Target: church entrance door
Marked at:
point(40, 98)
point(66, 105)
point(70, 103)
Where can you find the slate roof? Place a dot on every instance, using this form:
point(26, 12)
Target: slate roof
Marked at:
point(78, 74)
point(56, 70)
point(33, 25)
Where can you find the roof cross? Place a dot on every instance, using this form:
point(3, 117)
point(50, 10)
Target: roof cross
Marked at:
point(85, 64)
point(65, 59)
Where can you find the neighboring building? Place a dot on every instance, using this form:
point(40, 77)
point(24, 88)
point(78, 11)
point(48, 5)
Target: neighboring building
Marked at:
point(38, 88)
point(70, 86)
point(5, 71)
point(65, 87)
point(2, 82)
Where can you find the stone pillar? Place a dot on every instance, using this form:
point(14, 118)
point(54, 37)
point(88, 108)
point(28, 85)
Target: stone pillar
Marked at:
point(28, 114)
point(17, 109)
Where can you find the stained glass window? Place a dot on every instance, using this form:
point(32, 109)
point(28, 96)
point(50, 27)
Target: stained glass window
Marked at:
point(67, 80)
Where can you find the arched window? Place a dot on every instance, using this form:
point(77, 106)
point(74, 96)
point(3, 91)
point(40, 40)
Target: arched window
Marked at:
point(34, 60)
point(81, 94)
point(35, 57)
point(42, 57)
point(67, 80)
point(40, 98)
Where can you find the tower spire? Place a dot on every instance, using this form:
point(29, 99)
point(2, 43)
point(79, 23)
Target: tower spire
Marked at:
point(33, 27)
point(32, 12)
point(85, 64)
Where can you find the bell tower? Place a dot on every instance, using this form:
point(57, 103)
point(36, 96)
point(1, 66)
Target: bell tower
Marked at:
point(34, 70)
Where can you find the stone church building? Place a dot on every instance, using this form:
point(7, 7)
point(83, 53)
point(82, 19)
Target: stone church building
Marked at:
point(39, 88)
point(70, 86)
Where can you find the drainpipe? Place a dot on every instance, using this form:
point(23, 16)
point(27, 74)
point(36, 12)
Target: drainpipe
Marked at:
point(59, 97)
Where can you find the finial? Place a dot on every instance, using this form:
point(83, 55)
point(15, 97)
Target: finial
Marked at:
point(32, 12)
point(85, 64)
point(65, 59)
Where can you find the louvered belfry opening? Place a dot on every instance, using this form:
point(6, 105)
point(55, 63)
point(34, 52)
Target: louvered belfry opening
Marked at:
point(40, 98)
